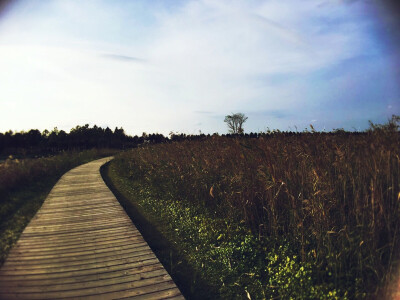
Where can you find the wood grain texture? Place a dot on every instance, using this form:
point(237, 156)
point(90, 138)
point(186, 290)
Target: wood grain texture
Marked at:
point(82, 245)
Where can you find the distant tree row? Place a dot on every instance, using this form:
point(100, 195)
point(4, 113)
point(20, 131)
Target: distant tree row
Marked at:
point(79, 138)
point(84, 137)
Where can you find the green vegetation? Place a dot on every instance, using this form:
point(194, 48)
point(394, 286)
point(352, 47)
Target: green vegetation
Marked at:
point(25, 184)
point(307, 215)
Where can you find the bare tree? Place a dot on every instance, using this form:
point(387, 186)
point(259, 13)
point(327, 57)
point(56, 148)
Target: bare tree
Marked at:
point(235, 122)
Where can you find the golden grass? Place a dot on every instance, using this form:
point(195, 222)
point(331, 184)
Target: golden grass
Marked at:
point(334, 196)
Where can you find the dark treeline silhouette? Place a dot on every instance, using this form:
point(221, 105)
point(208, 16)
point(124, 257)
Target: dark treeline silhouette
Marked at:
point(79, 138)
point(85, 137)
point(34, 142)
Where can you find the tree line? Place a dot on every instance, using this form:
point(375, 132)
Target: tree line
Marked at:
point(79, 138)
point(34, 142)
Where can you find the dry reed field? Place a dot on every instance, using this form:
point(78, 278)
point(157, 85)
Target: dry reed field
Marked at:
point(284, 215)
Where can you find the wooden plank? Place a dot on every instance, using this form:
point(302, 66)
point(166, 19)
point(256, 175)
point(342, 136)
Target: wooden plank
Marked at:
point(169, 294)
point(74, 241)
point(79, 221)
point(63, 210)
point(57, 241)
point(82, 245)
point(72, 259)
point(26, 251)
point(87, 284)
point(46, 234)
point(168, 288)
point(114, 291)
point(80, 218)
point(177, 297)
point(32, 256)
point(115, 218)
point(5, 276)
point(124, 271)
point(77, 259)
point(80, 267)
point(47, 264)
point(85, 200)
point(76, 235)
point(83, 193)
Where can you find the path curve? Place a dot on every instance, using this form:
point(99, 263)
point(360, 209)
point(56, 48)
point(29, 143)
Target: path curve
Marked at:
point(82, 245)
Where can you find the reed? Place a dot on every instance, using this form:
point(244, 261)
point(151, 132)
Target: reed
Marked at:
point(333, 197)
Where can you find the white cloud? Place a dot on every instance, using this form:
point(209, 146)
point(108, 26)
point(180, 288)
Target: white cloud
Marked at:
point(167, 63)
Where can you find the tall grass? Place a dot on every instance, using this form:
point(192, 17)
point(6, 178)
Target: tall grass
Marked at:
point(14, 172)
point(333, 197)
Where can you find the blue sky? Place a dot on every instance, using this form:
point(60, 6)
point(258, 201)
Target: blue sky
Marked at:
point(162, 66)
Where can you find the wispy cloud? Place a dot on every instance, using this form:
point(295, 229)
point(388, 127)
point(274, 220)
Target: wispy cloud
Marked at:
point(278, 114)
point(123, 58)
point(203, 112)
point(191, 63)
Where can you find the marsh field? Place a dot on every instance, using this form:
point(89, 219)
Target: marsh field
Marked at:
point(283, 215)
point(278, 215)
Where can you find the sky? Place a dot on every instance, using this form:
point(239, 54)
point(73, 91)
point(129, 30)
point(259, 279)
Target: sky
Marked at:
point(180, 66)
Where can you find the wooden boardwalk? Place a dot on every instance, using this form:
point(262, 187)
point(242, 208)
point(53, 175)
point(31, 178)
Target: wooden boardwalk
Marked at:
point(82, 245)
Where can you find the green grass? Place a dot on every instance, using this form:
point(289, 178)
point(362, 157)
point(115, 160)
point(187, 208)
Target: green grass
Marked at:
point(25, 184)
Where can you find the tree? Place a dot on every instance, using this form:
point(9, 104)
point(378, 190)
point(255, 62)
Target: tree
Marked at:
point(235, 122)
